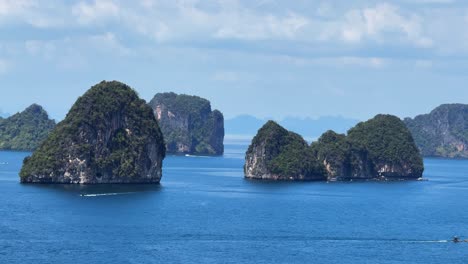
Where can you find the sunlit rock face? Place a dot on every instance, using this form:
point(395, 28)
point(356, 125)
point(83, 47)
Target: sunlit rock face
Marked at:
point(188, 124)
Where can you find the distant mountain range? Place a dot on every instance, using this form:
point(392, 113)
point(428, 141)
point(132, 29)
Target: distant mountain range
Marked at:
point(308, 127)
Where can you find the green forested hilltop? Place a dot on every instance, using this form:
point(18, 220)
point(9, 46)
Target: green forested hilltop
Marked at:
point(276, 153)
point(108, 136)
point(380, 148)
point(188, 124)
point(25, 130)
point(443, 132)
point(388, 145)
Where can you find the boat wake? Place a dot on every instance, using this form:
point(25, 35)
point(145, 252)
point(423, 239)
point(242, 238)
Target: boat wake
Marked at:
point(432, 241)
point(103, 194)
point(195, 156)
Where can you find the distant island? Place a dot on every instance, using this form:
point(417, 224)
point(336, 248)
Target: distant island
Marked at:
point(25, 130)
point(381, 148)
point(443, 132)
point(188, 124)
point(109, 135)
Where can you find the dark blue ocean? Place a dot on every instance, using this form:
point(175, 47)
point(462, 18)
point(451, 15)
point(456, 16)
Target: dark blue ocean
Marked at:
point(204, 211)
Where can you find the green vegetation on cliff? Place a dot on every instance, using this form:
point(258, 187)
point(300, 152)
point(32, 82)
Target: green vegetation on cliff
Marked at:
point(443, 132)
point(188, 124)
point(333, 149)
point(25, 130)
point(387, 140)
point(284, 153)
point(379, 148)
point(109, 131)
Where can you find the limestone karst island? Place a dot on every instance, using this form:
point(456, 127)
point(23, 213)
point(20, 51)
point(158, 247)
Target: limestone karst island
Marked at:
point(109, 135)
point(188, 124)
point(381, 148)
point(25, 130)
point(443, 132)
point(233, 131)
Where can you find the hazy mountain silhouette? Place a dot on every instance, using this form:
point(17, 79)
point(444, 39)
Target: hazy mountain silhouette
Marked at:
point(308, 127)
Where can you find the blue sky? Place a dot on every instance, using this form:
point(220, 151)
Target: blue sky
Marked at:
point(267, 58)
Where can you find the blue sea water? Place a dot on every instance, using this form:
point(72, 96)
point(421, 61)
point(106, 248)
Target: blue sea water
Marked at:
point(204, 211)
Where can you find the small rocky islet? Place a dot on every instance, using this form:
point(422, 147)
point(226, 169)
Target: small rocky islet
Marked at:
point(109, 135)
point(188, 124)
point(381, 148)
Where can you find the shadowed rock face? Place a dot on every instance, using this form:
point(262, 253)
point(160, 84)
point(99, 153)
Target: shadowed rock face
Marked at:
point(25, 130)
point(109, 136)
point(443, 132)
point(188, 124)
point(278, 154)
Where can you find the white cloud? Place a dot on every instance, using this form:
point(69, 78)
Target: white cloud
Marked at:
point(14, 7)
point(95, 12)
point(251, 27)
point(325, 9)
point(376, 22)
point(431, 1)
point(107, 42)
point(39, 14)
point(330, 25)
point(76, 52)
point(169, 20)
point(334, 61)
point(346, 61)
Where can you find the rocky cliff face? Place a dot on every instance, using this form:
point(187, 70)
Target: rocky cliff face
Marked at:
point(333, 151)
point(188, 124)
point(109, 136)
point(25, 130)
point(443, 132)
point(381, 148)
point(278, 154)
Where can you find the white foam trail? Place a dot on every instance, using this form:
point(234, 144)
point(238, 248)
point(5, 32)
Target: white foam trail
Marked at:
point(195, 156)
point(103, 194)
point(432, 241)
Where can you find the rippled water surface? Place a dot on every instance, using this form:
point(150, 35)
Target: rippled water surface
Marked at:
point(205, 212)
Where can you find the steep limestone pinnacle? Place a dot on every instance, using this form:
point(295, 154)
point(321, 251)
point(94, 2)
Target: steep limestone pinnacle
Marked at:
point(188, 124)
point(109, 136)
